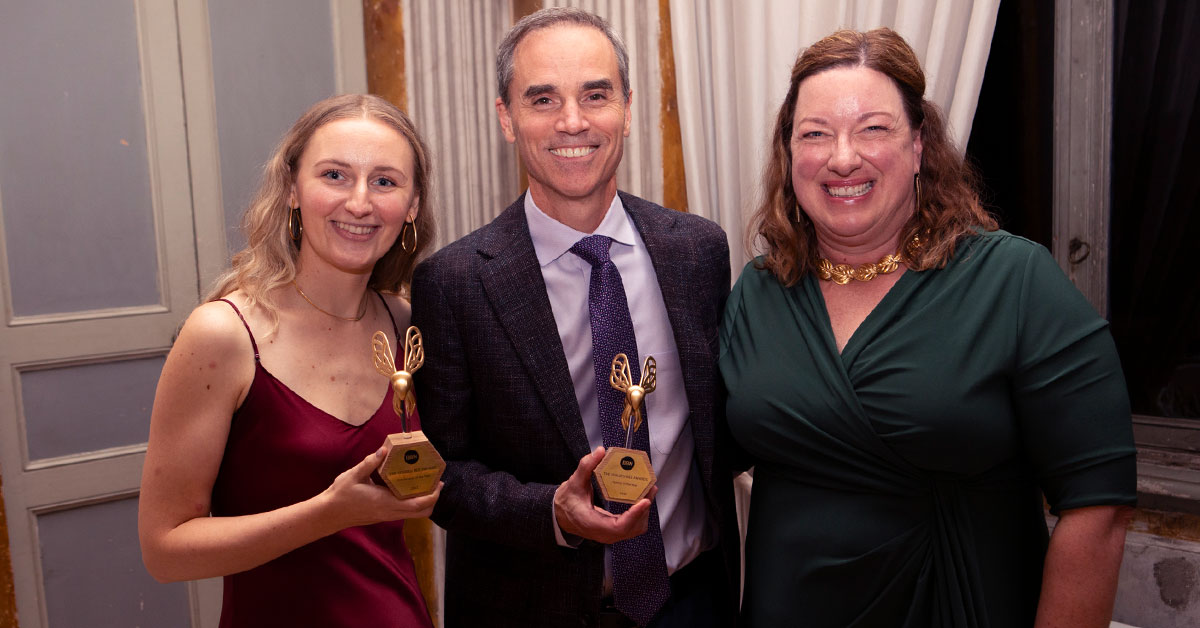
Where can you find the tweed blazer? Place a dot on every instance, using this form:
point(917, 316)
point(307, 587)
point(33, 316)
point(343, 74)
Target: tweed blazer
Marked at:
point(496, 399)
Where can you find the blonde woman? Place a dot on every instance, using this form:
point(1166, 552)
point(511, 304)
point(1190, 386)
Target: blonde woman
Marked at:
point(269, 413)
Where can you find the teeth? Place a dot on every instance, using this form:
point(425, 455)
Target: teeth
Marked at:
point(850, 190)
point(578, 151)
point(355, 229)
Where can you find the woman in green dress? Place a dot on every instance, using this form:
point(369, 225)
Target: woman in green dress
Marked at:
point(909, 381)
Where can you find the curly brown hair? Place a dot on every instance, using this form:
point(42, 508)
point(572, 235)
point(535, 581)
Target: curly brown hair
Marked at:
point(269, 259)
point(949, 208)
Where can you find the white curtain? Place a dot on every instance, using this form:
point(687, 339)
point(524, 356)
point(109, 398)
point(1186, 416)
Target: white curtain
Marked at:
point(733, 60)
point(450, 54)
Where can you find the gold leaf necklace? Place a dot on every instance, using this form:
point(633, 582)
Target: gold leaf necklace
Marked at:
point(841, 274)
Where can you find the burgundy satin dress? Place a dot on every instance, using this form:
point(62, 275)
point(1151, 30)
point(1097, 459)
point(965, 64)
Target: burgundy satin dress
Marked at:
point(282, 450)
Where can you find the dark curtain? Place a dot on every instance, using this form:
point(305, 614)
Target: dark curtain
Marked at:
point(1154, 264)
point(1012, 137)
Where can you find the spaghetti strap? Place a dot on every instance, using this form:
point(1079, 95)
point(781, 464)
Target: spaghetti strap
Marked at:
point(247, 326)
point(395, 330)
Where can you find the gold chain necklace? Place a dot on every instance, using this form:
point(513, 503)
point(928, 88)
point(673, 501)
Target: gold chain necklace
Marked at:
point(362, 310)
point(841, 274)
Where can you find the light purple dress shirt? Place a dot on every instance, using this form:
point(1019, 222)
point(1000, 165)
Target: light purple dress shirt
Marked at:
point(680, 498)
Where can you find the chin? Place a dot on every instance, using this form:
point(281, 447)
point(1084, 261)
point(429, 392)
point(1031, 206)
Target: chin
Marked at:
point(356, 267)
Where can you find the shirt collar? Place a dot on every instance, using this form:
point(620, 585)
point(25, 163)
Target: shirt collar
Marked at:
point(551, 238)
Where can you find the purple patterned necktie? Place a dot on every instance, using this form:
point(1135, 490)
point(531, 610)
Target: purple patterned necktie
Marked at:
point(640, 582)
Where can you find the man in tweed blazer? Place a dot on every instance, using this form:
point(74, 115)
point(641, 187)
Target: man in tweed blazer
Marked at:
point(508, 393)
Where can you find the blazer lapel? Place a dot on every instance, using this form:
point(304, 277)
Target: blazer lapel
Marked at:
point(669, 253)
point(513, 283)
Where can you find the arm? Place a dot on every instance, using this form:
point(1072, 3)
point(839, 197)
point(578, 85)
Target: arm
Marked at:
point(1079, 579)
point(1073, 409)
point(204, 379)
point(481, 501)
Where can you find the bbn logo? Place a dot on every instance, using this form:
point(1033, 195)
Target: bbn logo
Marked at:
point(627, 463)
point(411, 456)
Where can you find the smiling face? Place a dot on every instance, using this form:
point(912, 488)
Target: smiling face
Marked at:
point(567, 115)
point(854, 155)
point(354, 186)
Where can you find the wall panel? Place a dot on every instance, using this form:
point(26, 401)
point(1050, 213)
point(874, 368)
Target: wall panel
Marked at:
point(271, 60)
point(75, 178)
point(97, 578)
point(85, 408)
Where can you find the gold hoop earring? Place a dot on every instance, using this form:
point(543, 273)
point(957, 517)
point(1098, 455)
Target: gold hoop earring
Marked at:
point(408, 225)
point(295, 226)
point(917, 184)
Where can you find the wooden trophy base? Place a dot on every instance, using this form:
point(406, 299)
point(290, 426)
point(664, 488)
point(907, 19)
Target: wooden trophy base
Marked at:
point(625, 475)
point(411, 467)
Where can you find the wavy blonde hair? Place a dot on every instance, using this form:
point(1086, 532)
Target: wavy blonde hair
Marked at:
point(949, 208)
point(269, 258)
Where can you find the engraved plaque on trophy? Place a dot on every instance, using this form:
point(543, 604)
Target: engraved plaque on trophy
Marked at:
point(625, 474)
point(411, 467)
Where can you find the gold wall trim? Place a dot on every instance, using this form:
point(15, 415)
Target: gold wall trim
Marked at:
point(418, 536)
point(521, 8)
point(674, 176)
point(8, 596)
point(383, 34)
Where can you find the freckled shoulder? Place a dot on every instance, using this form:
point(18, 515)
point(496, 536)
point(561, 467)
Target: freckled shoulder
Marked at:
point(209, 369)
point(214, 331)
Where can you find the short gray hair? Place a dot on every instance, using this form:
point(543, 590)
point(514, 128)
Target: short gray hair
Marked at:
point(545, 18)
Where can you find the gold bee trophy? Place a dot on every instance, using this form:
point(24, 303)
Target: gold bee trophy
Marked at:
point(412, 467)
point(625, 474)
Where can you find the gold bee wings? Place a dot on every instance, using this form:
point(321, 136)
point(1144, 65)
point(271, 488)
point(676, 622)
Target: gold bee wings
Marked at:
point(620, 379)
point(414, 358)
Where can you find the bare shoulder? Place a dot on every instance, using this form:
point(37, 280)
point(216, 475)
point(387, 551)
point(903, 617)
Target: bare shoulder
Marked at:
point(207, 373)
point(399, 307)
point(215, 322)
point(212, 333)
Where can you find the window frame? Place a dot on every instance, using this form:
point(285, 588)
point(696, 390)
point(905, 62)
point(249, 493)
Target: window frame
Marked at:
point(1168, 449)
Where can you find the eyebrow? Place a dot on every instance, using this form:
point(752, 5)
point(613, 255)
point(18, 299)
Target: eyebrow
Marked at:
point(875, 113)
point(537, 90)
point(533, 91)
point(861, 118)
point(330, 161)
point(603, 84)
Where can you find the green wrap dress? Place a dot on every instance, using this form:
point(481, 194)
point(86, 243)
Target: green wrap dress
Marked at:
point(900, 482)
